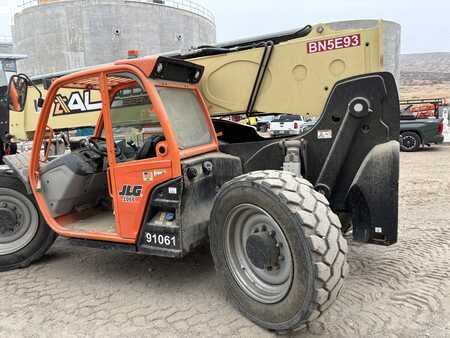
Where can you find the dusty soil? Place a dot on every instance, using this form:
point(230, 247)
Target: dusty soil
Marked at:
point(397, 291)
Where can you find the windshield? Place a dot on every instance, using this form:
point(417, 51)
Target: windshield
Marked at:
point(186, 117)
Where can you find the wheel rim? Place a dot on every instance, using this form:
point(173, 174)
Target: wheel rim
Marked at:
point(409, 142)
point(19, 221)
point(251, 233)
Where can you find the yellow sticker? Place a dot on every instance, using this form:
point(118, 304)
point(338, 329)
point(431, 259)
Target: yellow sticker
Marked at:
point(147, 176)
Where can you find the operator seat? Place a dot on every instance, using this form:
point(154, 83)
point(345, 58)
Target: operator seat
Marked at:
point(73, 180)
point(148, 150)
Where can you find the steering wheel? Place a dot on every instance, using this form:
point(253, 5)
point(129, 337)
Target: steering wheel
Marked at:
point(95, 144)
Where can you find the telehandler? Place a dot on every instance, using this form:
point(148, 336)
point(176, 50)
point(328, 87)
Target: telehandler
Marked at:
point(160, 177)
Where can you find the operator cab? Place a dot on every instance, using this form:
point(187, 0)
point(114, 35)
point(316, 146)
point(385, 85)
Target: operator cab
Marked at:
point(77, 181)
point(149, 120)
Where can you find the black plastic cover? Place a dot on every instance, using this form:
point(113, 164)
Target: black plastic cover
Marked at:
point(176, 70)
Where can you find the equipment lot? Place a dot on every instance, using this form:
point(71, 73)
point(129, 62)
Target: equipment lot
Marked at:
point(399, 291)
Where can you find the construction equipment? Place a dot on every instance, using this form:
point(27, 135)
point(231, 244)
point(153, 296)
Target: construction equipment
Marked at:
point(160, 177)
point(302, 65)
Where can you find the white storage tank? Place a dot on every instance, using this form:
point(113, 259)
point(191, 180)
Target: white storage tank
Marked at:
point(59, 35)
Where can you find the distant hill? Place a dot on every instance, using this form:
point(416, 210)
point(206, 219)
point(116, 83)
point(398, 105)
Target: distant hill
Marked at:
point(425, 62)
point(425, 75)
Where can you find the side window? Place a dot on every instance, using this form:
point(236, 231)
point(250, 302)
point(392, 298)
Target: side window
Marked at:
point(182, 105)
point(136, 129)
point(76, 107)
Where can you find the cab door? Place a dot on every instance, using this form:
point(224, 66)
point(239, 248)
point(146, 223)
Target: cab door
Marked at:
point(138, 153)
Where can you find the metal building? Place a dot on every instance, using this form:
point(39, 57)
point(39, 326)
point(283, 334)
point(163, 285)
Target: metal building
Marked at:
point(64, 34)
point(7, 69)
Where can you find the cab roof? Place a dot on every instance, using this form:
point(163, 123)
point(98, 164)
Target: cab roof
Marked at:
point(155, 67)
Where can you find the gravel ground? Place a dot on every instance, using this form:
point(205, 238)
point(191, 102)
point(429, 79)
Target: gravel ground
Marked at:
point(397, 291)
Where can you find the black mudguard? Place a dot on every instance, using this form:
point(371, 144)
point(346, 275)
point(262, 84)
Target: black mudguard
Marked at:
point(373, 196)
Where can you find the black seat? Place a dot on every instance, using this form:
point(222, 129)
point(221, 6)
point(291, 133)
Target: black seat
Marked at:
point(148, 150)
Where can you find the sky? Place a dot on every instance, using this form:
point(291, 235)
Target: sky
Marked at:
point(425, 24)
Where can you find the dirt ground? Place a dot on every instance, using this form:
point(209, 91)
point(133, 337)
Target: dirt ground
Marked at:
point(397, 291)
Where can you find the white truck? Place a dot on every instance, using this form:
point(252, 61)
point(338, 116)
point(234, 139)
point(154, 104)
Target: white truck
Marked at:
point(287, 124)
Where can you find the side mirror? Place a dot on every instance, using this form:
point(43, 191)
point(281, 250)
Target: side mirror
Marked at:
point(17, 92)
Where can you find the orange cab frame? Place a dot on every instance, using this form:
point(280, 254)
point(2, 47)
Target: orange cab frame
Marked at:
point(169, 162)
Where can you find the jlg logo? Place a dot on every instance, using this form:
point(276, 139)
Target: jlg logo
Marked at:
point(130, 194)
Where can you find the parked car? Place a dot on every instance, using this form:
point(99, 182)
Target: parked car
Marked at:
point(287, 124)
point(263, 123)
point(415, 133)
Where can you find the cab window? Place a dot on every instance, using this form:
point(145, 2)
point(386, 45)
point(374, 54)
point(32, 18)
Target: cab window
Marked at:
point(135, 126)
point(186, 117)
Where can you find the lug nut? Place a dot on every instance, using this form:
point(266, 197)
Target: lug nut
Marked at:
point(272, 233)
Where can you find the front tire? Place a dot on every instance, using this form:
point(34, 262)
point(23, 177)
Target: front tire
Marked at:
point(278, 248)
point(24, 235)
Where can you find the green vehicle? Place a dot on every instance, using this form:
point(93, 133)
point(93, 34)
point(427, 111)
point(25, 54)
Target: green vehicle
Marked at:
point(415, 133)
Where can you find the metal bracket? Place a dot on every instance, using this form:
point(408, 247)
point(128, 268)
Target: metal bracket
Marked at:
point(292, 162)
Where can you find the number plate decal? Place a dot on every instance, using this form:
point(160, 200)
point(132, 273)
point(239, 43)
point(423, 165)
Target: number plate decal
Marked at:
point(326, 45)
point(161, 240)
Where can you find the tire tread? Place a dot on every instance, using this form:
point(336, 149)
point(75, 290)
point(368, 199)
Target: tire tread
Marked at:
point(321, 227)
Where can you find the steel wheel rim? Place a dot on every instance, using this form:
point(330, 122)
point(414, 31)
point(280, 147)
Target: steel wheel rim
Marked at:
point(409, 142)
point(20, 221)
point(260, 284)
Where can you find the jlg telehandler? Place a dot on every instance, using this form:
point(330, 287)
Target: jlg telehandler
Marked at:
point(160, 177)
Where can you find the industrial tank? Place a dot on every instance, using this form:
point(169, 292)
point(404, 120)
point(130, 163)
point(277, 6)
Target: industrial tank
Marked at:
point(59, 35)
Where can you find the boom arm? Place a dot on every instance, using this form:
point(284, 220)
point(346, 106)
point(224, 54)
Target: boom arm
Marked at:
point(294, 73)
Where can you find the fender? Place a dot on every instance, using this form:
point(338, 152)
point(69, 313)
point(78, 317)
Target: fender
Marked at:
point(18, 164)
point(373, 196)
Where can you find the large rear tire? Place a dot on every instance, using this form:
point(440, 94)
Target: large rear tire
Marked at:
point(278, 248)
point(24, 235)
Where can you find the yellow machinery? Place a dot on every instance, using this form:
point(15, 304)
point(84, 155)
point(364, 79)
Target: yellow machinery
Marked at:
point(289, 72)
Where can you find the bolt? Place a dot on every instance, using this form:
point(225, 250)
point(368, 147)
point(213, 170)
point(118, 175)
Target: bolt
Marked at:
point(4, 205)
point(243, 267)
point(279, 245)
point(281, 258)
point(272, 233)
